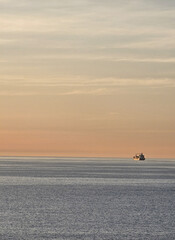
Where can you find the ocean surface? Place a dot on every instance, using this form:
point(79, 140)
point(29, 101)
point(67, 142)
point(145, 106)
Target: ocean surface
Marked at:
point(87, 199)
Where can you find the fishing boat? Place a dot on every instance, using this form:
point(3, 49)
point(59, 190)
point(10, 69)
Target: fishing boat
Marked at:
point(139, 156)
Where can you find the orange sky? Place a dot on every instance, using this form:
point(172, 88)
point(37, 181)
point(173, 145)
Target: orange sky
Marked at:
point(77, 81)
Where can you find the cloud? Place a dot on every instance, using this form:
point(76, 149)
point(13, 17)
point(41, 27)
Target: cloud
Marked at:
point(60, 36)
point(86, 82)
point(77, 86)
point(93, 57)
point(86, 17)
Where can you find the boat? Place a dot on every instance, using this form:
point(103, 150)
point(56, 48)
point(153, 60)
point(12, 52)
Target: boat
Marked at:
point(139, 156)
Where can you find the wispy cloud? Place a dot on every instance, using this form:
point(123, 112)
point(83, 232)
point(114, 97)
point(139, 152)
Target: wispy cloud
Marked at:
point(40, 35)
point(77, 86)
point(94, 57)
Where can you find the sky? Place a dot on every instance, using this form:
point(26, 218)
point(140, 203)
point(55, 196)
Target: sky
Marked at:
point(87, 78)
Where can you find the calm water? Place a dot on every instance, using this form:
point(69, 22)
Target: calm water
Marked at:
point(85, 198)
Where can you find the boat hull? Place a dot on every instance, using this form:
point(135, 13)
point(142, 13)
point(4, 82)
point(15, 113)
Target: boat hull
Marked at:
point(139, 159)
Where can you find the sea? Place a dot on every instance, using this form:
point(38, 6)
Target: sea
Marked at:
point(86, 198)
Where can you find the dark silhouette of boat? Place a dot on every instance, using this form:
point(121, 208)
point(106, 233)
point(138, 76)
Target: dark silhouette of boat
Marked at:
point(139, 156)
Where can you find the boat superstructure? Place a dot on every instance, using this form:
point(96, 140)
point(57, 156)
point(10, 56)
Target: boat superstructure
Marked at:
point(139, 156)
